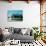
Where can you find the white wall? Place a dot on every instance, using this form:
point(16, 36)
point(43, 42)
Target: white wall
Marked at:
point(31, 14)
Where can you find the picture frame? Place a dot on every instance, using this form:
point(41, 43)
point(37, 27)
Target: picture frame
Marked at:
point(15, 15)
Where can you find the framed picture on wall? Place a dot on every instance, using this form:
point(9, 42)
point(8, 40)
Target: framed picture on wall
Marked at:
point(15, 15)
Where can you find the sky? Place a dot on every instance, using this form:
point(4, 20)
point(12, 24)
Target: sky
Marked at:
point(16, 12)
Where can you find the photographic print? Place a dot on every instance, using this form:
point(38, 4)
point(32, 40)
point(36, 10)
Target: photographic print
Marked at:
point(15, 15)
